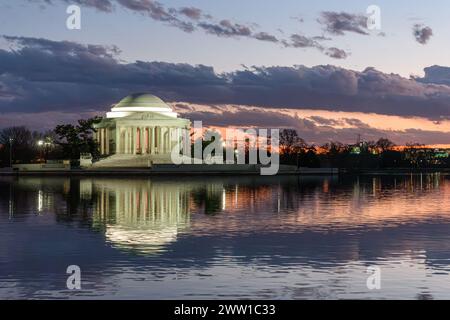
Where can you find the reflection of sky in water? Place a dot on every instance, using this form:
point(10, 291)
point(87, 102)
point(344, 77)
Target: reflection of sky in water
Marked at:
point(230, 237)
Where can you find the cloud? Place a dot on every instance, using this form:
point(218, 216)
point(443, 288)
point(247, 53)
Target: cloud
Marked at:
point(436, 74)
point(422, 33)
point(298, 19)
point(176, 17)
point(225, 28)
point(314, 129)
point(191, 12)
point(158, 12)
point(228, 29)
point(190, 19)
point(42, 121)
point(338, 23)
point(301, 41)
point(264, 36)
point(44, 75)
point(336, 53)
point(100, 5)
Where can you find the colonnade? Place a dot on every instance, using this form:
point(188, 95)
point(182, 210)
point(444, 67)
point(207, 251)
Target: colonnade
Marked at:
point(138, 140)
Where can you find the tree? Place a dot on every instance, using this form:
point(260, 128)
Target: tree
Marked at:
point(334, 148)
point(77, 139)
point(292, 147)
point(310, 158)
point(336, 154)
point(22, 141)
point(368, 147)
point(290, 142)
point(47, 147)
point(384, 145)
point(20, 135)
point(393, 159)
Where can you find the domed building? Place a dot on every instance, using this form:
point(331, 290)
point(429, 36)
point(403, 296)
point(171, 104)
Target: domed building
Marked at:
point(140, 128)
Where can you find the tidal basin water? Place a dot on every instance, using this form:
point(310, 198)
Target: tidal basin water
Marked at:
point(225, 237)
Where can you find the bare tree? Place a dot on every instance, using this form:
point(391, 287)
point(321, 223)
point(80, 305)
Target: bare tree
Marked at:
point(18, 142)
point(290, 142)
point(384, 144)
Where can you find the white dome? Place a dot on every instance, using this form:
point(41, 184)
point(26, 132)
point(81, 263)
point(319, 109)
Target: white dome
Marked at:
point(140, 102)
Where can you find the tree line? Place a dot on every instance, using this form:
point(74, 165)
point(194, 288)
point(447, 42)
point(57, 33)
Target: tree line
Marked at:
point(363, 155)
point(68, 141)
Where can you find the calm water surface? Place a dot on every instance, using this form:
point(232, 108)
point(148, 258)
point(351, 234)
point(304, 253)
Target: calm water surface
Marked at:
point(230, 238)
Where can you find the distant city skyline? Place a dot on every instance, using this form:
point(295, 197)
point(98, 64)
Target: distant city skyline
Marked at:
point(311, 66)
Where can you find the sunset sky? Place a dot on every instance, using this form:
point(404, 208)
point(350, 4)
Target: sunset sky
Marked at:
point(309, 65)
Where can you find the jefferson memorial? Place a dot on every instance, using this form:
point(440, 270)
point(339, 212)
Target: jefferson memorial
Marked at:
point(139, 130)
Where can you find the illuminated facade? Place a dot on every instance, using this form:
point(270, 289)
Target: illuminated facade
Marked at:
point(141, 127)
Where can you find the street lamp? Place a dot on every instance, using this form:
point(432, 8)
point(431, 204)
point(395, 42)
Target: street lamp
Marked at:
point(44, 145)
point(40, 144)
point(10, 151)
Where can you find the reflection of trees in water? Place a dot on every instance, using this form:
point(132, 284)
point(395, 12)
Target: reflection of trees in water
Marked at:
point(136, 212)
point(46, 195)
point(77, 209)
point(208, 198)
point(360, 188)
point(117, 208)
point(208, 195)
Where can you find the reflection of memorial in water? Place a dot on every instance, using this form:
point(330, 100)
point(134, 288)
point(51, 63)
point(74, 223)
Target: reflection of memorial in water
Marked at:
point(147, 215)
point(140, 215)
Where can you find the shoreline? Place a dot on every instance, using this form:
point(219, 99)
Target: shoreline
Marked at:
point(152, 173)
point(399, 171)
point(170, 170)
point(145, 172)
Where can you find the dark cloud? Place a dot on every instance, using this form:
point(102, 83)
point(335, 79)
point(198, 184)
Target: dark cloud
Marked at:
point(422, 33)
point(301, 41)
point(338, 23)
point(150, 8)
point(226, 28)
point(243, 118)
point(175, 17)
point(101, 5)
point(191, 12)
point(336, 53)
point(315, 129)
point(49, 75)
point(264, 36)
point(326, 122)
point(43, 75)
point(321, 38)
point(158, 12)
point(436, 74)
point(190, 19)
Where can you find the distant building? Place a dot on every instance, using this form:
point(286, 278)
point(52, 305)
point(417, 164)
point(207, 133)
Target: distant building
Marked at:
point(420, 155)
point(140, 129)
